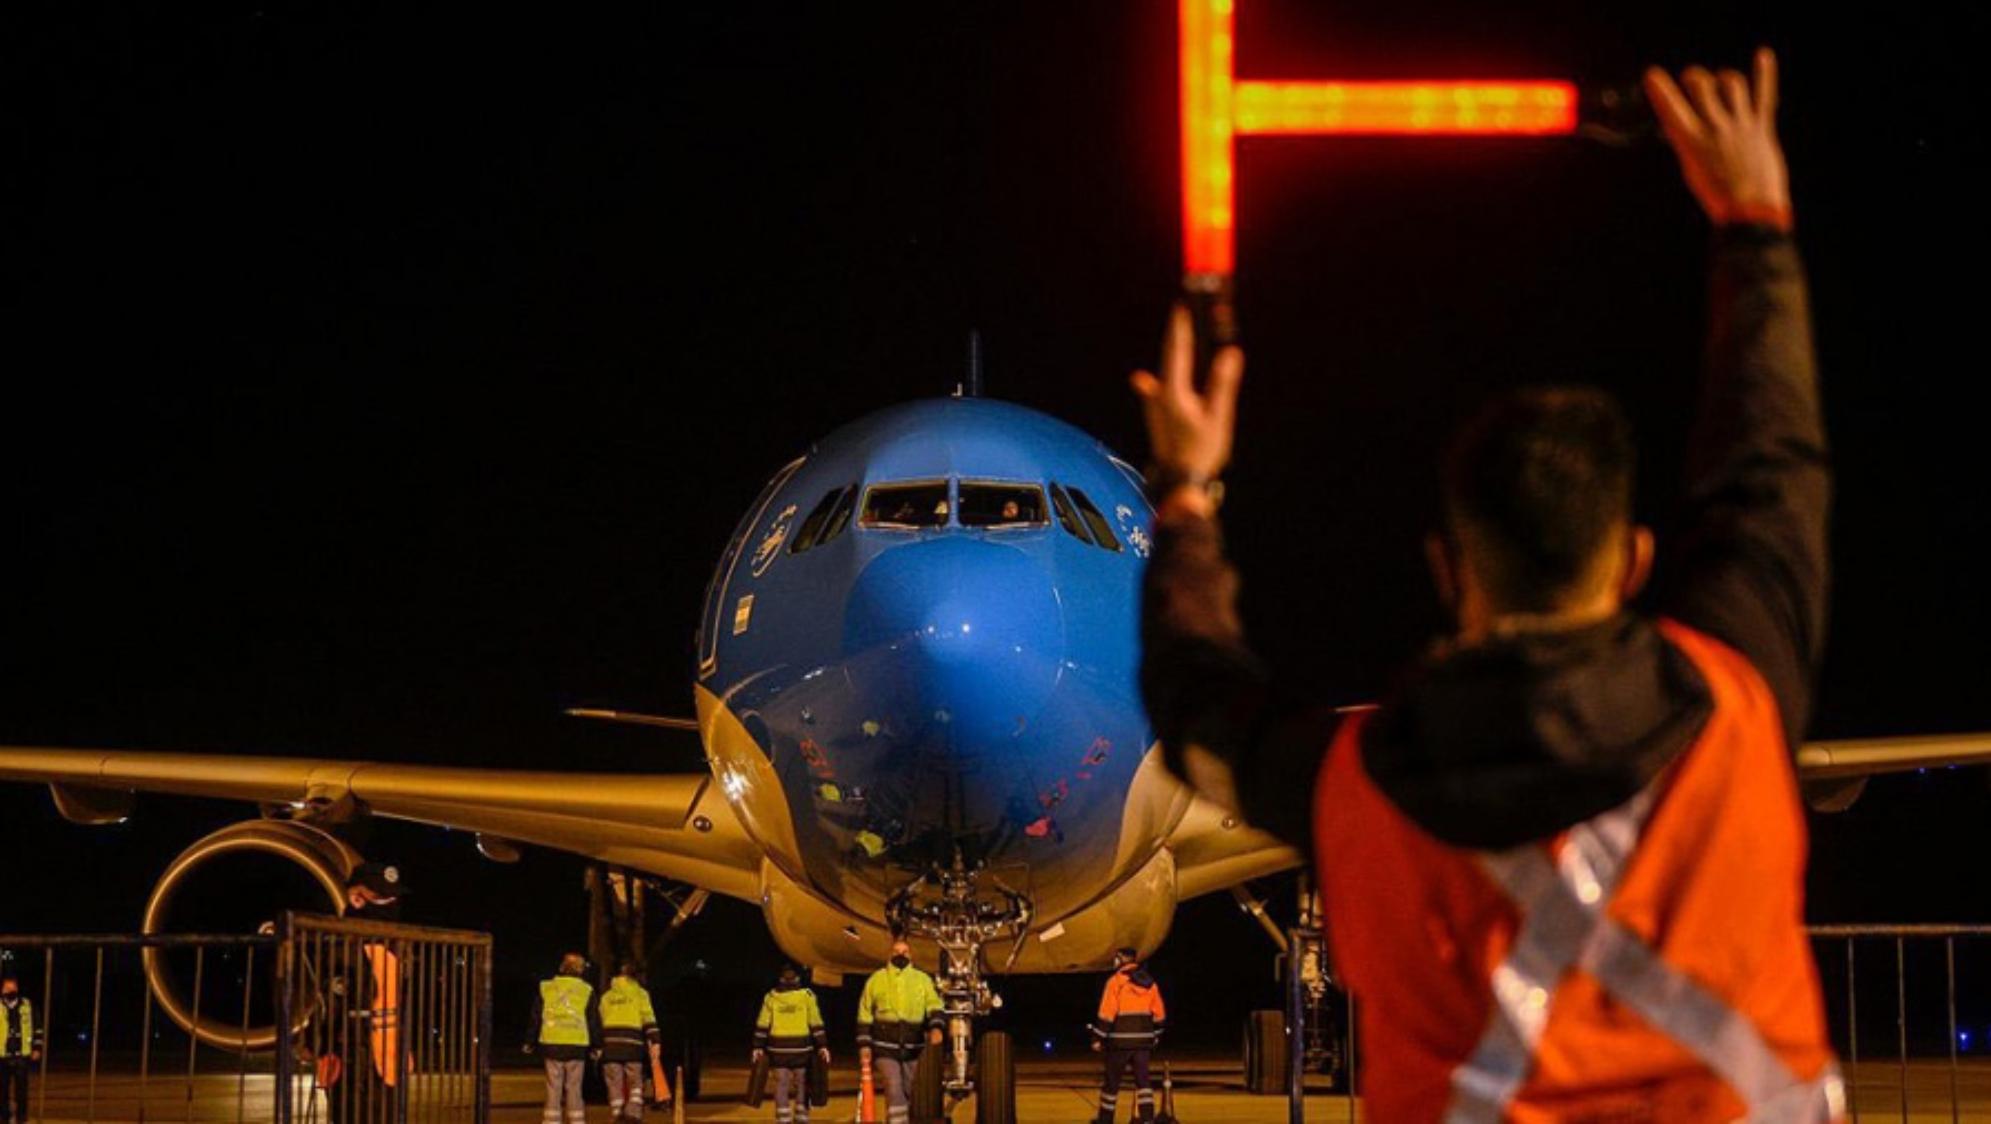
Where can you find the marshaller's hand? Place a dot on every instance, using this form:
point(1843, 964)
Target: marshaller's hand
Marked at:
point(1724, 129)
point(1190, 431)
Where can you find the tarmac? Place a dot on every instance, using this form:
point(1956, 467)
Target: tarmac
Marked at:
point(1208, 1090)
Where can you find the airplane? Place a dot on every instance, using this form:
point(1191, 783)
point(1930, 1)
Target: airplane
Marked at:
point(916, 686)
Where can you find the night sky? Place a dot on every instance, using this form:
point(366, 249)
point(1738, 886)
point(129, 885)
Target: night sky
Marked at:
point(380, 382)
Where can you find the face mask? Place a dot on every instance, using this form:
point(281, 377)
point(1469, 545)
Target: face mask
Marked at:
point(901, 961)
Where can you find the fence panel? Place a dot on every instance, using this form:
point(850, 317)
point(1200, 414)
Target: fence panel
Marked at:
point(382, 1024)
point(371, 1024)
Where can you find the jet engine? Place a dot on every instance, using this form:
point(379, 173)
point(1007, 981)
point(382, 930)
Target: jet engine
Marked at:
point(238, 880)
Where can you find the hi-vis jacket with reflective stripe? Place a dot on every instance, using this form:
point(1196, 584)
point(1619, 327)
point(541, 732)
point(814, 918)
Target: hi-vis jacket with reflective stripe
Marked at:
point(897, 1007)
point(1131, 1013)
point(565, 1017)
point(1650, 963)
point(19, 1036)
point(790, 1026)
point(628, 1021)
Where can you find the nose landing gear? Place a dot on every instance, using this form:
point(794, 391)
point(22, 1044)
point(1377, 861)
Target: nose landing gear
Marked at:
point(954, 909)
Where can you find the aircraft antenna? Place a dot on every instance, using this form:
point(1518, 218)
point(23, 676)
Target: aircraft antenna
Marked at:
point(972, 388)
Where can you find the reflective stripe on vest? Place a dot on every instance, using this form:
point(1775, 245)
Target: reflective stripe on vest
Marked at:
point(1649, 960)
point(563, 1011)
point(384, 1013)
point(1563, 926)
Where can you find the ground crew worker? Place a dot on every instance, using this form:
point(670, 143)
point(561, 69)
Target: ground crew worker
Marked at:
point(1563, 863)
point(629, 1043)
point(566, 1028)
point(1127, 1030)
point(365, 1007)
point(20, 1048)
point(898, 1016)
point(788, 1031)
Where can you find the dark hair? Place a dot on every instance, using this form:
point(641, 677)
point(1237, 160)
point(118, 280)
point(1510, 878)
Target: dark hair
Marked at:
point(1538, 480)
point(631, 969)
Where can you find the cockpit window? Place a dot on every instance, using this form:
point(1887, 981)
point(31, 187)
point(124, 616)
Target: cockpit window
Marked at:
point(1001, 505)
point(906, 505)
point(840, 516)
point(1102, 531)
point(811, 531)
point(1068, 518)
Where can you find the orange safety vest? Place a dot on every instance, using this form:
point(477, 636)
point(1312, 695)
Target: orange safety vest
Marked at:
point(384, 1013)
point(1649, 964)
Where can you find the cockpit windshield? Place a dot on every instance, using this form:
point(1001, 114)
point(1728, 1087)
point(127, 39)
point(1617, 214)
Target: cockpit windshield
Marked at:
point(1001, 505)
point(923, 504)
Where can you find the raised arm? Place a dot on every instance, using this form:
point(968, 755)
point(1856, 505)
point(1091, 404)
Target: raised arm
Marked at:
point(1222, 726)
point(1749, 564)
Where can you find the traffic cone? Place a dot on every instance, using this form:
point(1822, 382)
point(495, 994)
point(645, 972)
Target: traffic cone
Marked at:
point(867, 1099)
point(660, 1089)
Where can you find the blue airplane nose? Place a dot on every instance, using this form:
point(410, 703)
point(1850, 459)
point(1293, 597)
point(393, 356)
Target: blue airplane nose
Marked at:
point(972, 632)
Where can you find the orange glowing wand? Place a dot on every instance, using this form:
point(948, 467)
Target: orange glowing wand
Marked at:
point(1217, 108)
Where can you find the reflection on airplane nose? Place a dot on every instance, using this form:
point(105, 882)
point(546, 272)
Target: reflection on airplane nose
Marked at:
point(971, 631)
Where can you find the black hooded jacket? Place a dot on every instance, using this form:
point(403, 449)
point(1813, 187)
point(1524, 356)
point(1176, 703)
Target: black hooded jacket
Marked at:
point(1524, 735)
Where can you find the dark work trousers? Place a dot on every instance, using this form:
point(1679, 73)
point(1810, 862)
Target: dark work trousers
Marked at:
point(14, 1089)
point(1117, 1061)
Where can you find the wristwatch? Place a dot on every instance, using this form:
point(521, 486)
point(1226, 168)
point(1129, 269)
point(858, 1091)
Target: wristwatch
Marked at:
point(1162, 482)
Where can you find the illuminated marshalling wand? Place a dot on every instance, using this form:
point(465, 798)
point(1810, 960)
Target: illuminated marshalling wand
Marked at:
point(1217, 108)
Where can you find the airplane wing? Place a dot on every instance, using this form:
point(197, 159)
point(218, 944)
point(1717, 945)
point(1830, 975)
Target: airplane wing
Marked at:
point(1868, 756)
point(1834, 774)
point(676, 826)
point(1214, 852)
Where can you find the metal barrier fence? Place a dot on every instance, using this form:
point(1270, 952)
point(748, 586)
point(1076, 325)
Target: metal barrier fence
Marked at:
point(75, 1041)
point(370, 1023)
point(1890, 1089)
point(1917, 1076)
point(392, 1023)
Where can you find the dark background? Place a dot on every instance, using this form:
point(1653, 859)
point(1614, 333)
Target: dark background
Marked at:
point(380, 381)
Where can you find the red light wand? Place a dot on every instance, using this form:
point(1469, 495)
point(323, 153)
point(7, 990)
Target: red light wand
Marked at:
point(1217, 108)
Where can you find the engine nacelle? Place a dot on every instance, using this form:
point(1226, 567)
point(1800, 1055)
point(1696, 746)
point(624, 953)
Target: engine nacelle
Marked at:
point(327, 863)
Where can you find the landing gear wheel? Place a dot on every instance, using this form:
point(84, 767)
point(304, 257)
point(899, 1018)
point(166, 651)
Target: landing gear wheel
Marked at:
point(928, 1095)
point(1265, 1054)
point(995, 1078)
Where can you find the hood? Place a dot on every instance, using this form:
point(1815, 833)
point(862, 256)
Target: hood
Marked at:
point(1137, 974)
point(1522, 737)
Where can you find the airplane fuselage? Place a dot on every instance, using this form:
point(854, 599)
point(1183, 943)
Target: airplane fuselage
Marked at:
point(920, 651)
